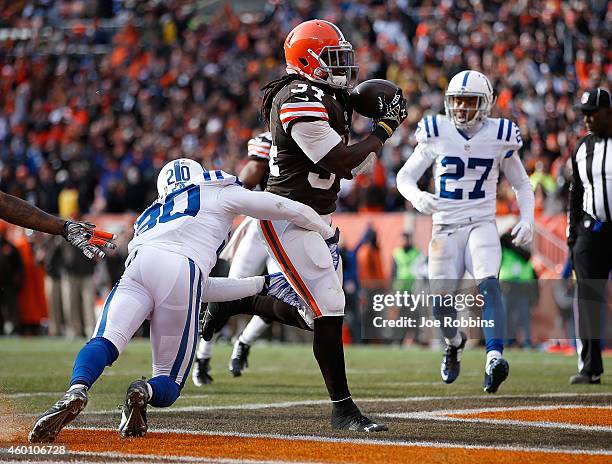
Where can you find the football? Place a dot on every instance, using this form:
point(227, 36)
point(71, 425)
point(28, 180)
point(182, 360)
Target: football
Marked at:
point(364, 97)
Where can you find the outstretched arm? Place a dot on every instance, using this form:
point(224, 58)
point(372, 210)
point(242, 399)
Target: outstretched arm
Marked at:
point(229, 289)
point(80, 234)
point(266, 205)
point(21, 213)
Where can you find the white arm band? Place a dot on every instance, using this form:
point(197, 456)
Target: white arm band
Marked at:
point(515, 172)
point(411, 172)
point(315, 138)
point(228, 289)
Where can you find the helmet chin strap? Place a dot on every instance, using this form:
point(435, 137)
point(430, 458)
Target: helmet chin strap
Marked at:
point(472, 129)
point(339, 80)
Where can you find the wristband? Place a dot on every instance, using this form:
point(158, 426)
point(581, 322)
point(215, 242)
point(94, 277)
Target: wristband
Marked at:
point(381, 133)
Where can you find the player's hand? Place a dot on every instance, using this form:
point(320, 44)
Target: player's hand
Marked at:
point(522, 233)
point(426, 203)
point(86, 238)
point(395, 113)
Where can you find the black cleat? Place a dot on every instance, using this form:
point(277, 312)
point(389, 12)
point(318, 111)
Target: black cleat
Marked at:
point(495, 373)
point(49, 424)
point(358, 423)
point(240, 358)
point(451, 361)
point(201, 372)
point(349, 417)
point(134, 412)
point(585, 379)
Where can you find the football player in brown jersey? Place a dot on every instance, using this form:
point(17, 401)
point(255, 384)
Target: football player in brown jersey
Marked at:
point(309, 115)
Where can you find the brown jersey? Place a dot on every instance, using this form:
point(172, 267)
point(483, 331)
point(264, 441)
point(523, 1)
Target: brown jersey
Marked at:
point(292, 173)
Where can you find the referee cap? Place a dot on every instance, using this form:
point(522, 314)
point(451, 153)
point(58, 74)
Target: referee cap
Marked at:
point(594, 99)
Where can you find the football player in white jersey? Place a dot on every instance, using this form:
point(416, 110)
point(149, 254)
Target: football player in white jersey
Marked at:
point(247, 253)
point(468, 149)
point(175, 245)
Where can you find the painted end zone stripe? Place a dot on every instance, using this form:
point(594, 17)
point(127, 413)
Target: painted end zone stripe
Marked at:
point(564, 414)
point(311, 449)
point(287, 266)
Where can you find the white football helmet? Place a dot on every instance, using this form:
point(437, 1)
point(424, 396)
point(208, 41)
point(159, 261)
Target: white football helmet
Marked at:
point(469, 84)
point(178, 173)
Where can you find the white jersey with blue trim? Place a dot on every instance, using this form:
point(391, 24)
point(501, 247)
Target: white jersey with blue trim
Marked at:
point(466, 168)
point(191, 219)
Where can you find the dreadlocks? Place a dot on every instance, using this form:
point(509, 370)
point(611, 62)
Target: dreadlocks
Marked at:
point(270, 90)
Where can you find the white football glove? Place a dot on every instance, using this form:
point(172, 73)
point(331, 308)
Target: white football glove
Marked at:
point(426, 203)
point(522, 233)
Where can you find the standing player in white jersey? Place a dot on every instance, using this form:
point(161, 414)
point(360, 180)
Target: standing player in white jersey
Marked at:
point(248, 257)
point(468, 149)
point(174, 247)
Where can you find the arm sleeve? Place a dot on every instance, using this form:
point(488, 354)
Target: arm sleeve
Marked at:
point(515, 172)
point(228, 289)
point(412, 171)
point(266, 205)
point(575, 201)
point(315, 138)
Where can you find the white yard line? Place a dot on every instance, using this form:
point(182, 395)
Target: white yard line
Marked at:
point(445, 415)
point(363, 441)
point(171, 458)
point(32, 394)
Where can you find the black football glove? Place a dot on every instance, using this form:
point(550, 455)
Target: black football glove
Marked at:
point(395, 113)
point(86, 238)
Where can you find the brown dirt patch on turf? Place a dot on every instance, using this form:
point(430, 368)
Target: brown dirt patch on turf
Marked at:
point(12, 426)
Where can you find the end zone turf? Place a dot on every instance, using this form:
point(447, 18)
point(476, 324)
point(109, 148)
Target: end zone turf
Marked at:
point(277, 411)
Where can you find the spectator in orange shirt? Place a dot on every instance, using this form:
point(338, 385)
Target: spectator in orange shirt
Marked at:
point(369, 261)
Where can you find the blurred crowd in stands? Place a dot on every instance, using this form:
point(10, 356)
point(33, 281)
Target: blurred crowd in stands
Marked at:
point(96, 95)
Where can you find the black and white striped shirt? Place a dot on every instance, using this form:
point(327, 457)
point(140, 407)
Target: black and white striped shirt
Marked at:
point(592, 178)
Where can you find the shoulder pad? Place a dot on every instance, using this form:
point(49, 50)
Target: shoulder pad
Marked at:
point(508, 133)
point(428, 127)
point(218, 177)
point(303, 102)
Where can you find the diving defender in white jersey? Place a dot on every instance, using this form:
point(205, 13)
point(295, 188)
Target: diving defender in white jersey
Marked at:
point(248, 256)
point(174, 247)
point(468, 149)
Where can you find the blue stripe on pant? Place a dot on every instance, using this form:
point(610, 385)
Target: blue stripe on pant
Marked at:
point(104, 314)
point(183, 348)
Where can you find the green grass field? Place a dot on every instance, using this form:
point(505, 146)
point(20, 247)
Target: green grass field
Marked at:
point(34, 371)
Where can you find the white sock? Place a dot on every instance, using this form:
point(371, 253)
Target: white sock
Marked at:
point(253, 330)
point(455, 341)
point(494, 354)
point(78, 385)
point(150, 390)
point(205, 349)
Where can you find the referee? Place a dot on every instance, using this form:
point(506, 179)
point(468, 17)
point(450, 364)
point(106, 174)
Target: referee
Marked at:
point(590, 230)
